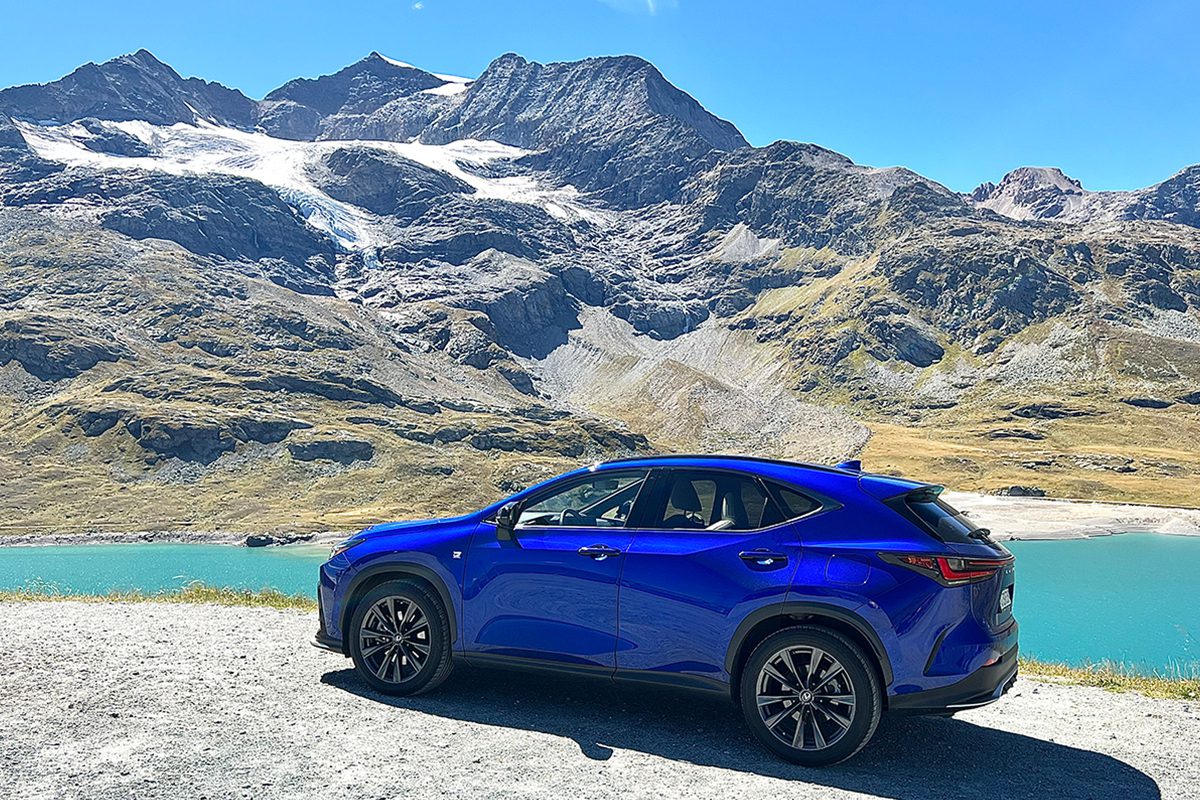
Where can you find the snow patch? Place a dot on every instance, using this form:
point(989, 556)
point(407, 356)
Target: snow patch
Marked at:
point(285, 165)
point(396, 63)
point(447, 89)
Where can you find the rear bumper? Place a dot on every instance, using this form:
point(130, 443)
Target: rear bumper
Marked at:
point(985, 685)
point(326, 643)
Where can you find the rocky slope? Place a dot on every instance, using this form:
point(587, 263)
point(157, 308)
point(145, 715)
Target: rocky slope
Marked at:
point(1043, 193)
point(387, 292)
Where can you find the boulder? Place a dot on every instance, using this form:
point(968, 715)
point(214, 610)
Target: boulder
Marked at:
point(1020, 491)
point(342, 451)
point(1147, 402)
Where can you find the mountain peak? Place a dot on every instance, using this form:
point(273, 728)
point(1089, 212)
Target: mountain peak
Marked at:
point(378, 57)
point(134, 86)
point(143, 57)
point(1028, 193)
point(1042, 178)
point(1050, 180)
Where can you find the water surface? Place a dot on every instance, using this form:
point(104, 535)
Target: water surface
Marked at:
point(1133, 598)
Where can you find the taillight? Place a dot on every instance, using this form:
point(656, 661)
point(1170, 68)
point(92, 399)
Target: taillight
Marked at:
point(949, 570)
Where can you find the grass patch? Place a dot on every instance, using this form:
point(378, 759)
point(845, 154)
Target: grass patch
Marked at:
point(1116, 678)
point(192, 593)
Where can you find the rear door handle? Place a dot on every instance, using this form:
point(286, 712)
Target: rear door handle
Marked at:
point(763, 559)
point(598, 552)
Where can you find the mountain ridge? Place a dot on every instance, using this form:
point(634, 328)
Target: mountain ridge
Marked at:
point(375, 292)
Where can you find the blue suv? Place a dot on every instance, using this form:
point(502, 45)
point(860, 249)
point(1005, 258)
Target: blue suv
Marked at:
point(816, 597)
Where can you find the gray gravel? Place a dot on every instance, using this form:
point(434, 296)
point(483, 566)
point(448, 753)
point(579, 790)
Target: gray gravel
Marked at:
point(158, 700)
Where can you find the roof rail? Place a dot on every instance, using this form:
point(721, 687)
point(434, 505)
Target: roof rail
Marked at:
point(842, 468)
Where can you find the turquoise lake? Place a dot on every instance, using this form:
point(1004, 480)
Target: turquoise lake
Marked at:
point(1133, 598)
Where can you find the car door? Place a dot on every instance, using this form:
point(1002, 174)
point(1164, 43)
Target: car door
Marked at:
point(550, 594)
point(709, 547)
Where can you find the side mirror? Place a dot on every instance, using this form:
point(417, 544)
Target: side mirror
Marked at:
point(506, 520)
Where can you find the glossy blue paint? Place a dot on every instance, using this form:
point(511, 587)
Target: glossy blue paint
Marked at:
point(538, 598)
point(677, 605)
point(684, 592)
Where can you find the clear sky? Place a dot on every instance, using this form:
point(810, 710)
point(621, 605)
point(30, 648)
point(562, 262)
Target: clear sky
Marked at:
point(961, 91)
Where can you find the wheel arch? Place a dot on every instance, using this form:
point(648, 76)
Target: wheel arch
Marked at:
point(372, 576)
point(763, 622)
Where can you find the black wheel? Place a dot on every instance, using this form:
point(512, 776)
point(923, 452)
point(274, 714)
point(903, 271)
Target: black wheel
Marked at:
point(400, 638)
point(810, 695)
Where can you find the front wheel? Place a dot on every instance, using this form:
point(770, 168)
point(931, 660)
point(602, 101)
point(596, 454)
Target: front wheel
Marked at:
point(810, 695)
point(400, 638)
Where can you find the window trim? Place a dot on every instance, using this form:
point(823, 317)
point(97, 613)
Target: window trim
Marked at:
point(767, 485)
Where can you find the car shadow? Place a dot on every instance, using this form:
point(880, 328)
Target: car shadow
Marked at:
point(910, 758)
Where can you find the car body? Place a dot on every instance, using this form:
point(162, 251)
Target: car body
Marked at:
point(677, 570)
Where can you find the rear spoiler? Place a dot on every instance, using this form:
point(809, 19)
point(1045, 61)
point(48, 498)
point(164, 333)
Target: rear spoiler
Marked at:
point(883, 487)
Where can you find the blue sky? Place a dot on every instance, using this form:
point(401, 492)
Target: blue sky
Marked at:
point(959, 91)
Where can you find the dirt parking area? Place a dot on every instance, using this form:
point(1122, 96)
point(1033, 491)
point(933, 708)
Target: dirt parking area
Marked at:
point(153, 700)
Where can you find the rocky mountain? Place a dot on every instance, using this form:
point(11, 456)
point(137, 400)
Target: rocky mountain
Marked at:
point(388, 292)
point(1045, 193)
point(132, 87)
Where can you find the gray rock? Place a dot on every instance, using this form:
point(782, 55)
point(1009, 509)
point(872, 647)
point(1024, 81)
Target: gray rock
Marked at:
point(53, 349)
point(203, 439)
point(299, 109)
point(1020, 491)
point(1147, 402)
point(385, 183)
point(1049, 410)
point(1015, 433)
point(343, 451)
point(131, 87)
point(106, 139)
point(567, 112)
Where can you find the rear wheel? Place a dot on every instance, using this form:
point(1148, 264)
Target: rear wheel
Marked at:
point(400, 638)
point(810, 695)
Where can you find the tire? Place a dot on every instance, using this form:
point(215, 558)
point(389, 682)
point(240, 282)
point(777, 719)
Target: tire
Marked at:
point(838, 718)
point(401, 667)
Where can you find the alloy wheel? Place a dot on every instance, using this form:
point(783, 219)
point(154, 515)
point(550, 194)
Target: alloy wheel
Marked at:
point(805, 698)
point(394, 639)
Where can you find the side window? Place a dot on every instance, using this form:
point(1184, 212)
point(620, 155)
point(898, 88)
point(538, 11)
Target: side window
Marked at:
point(603, 500)
point(712, 501)
point(792, 504)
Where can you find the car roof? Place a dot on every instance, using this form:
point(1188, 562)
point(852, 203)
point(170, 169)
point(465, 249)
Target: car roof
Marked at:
point(700, 460)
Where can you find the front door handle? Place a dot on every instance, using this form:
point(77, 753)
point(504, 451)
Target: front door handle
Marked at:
point(763, 558)
point(598, 552)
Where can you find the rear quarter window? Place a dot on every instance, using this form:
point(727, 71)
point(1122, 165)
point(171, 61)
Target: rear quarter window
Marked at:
point(789, 504)
point(937, 516)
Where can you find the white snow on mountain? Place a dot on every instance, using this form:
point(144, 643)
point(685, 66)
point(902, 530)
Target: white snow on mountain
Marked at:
point(448, 88)
point(286, 166)
point(396, 63)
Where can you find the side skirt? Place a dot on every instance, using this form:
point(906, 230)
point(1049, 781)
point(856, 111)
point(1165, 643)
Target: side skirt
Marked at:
point(643, 677)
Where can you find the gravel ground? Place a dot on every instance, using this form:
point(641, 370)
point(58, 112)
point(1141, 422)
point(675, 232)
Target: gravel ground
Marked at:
point(159, 700)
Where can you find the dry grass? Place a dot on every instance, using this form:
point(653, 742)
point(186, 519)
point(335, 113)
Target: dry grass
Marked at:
point(957, 453)
point(196, 593)
point(1116, 678)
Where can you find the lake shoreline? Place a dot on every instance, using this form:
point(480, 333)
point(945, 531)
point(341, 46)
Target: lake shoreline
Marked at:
point(1009, 519)
point(1046, 518)
point(233, 538)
